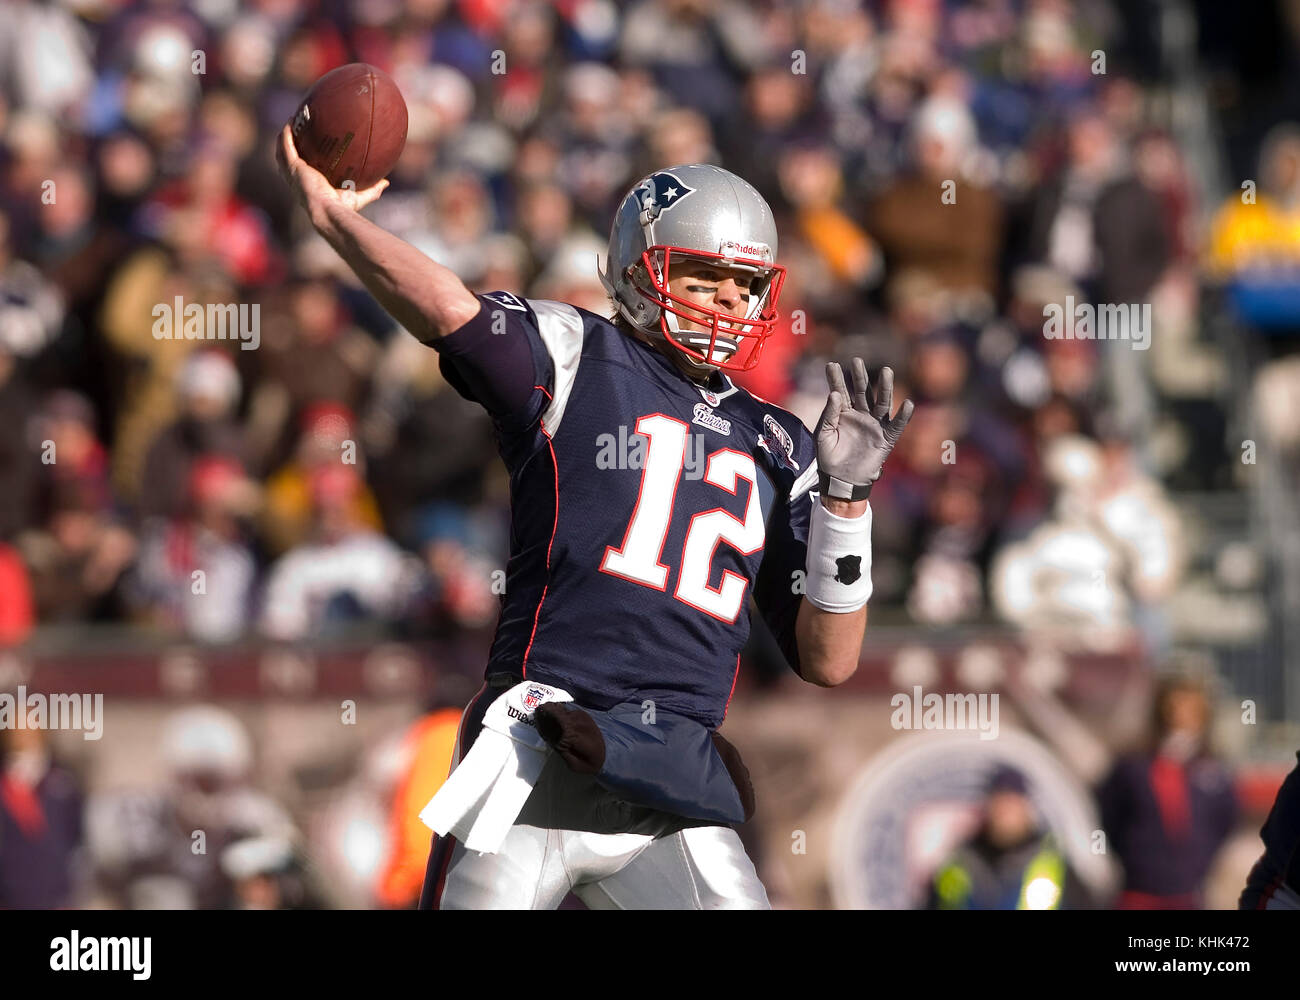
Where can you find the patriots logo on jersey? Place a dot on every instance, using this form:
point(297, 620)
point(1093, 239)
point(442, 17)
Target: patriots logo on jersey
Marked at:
point(506, 299)
point(658, 193)
point(705, 417)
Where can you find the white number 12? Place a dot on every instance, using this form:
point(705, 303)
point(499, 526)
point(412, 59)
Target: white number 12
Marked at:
point(639, 557)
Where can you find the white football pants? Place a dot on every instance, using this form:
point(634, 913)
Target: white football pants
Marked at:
point(575, 836)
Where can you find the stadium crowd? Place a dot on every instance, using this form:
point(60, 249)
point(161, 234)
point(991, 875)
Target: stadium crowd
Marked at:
point(331, 474)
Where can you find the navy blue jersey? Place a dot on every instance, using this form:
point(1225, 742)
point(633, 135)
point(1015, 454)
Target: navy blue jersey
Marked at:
point(1280, 864)
point(646, 509)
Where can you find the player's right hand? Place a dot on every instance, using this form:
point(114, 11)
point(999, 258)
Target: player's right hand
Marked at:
point(309, 184)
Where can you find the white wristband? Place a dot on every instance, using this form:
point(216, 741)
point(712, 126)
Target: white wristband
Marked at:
point(839, 560)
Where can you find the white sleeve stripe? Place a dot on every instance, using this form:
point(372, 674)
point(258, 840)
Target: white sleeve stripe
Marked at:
point(805, 482)
point(562, 332)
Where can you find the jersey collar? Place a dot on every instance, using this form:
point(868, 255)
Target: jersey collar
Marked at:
point(719, 388)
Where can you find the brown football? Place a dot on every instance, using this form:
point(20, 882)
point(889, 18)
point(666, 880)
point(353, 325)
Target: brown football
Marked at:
point(351, 126)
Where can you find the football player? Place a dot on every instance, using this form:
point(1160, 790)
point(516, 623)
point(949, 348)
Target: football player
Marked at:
point(651, 498)
point(1274, 881)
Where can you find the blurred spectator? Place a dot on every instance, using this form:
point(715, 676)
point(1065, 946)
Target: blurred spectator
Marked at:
point(427, 752)
point(696, 50)
point(782, 115)
point(596, 140)
point(40, 825)
point(19, 460)
point(1254, 252)
point(544, 215)
point(813, 185)
point(938, 219)
point(677, 135)
point(143, 842)
point(208, 387)
point(460, 220)
point(1113, 544)
point(570, 274)
point(17, 607)
point(1255, 235)
point(523, 95)
point(315, 325)
point(1168, 808)
point(31, 307)
point(195, 572)
point(45, 55)
point(31, 153)
point(77, 558)
point(73, 246)
point(269, 873)
point(344, 572)
point(125, 167)
point(327, 439)
point(1096, 222)
point(1010, 863)
point(411, 412)
point(71, 453)
point(207, 223)
point(462, 583)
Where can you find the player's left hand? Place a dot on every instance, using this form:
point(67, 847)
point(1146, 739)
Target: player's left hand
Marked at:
point(856, 432)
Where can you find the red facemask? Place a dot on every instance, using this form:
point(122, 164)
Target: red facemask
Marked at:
point(749, 334)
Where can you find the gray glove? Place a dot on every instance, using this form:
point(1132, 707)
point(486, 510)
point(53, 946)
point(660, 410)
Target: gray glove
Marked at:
point(856, 434)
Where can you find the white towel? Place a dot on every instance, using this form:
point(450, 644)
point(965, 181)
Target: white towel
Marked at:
point(480, 800)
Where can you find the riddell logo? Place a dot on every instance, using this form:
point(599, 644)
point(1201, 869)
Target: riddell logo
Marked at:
point(760, 251)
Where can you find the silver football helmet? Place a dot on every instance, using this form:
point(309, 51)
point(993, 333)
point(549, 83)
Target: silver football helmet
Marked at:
point(702, 212)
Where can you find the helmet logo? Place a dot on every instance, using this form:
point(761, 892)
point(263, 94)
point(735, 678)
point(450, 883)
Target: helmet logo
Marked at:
point(729, 225)
point(658, 193)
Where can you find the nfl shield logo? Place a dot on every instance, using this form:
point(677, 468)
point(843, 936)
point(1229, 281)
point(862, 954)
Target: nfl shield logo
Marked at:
point(533, 697)
point(710, 397)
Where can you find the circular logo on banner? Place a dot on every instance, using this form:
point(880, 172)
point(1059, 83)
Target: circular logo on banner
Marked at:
point(915, 801)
